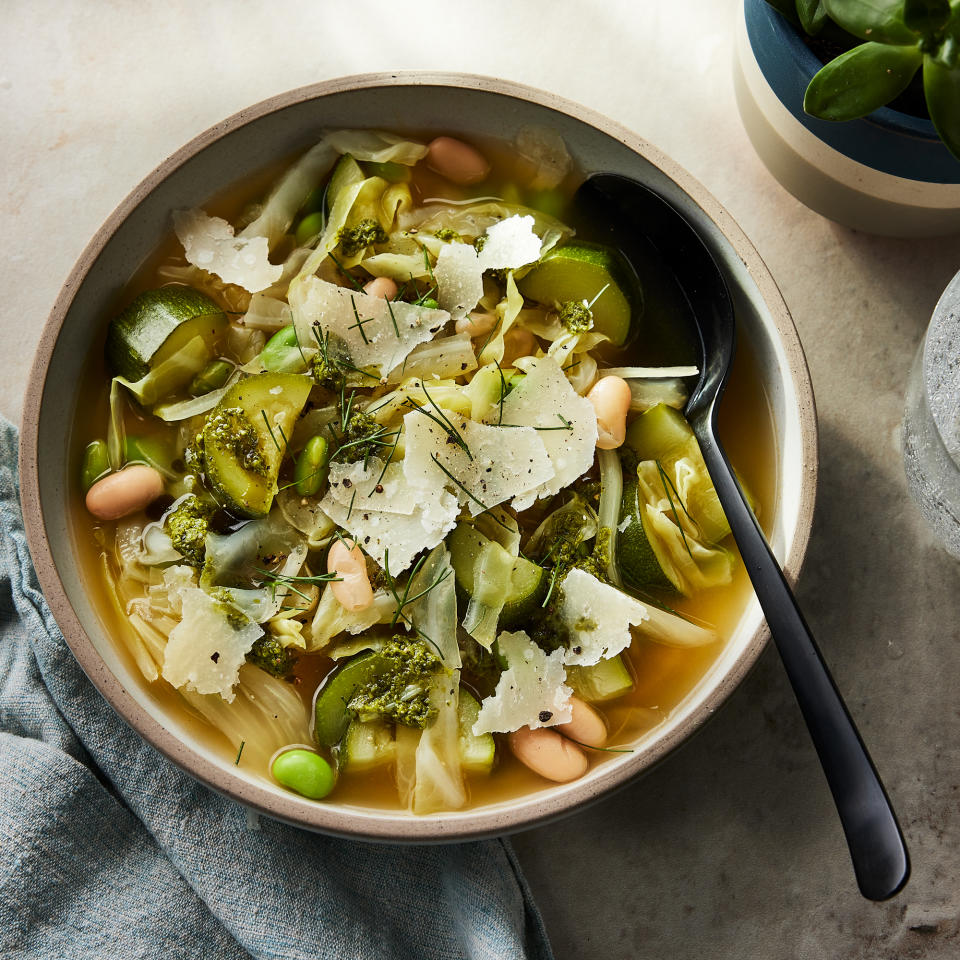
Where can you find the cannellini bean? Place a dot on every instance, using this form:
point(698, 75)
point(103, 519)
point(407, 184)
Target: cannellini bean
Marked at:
point(610, 397)
point(547, 753)
point(586, 726)
point(477, 324)
point(456, 160)
point(353, 589)
point(124, 492)
point(517, 343)
point(382, 287)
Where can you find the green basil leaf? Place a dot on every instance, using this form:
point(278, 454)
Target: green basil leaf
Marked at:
point(812, 15)
point(942, 88)
point(925, 17)
point(860, 80)
point(878, 20)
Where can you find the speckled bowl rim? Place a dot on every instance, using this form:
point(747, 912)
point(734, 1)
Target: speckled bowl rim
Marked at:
point(378, 824)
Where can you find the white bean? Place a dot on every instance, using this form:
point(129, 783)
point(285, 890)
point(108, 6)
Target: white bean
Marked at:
point(352, 590)
point(610, 397)
point(477, 324)
point(517, 343)
point(457, 161)
point(382, 287)
point(547, 753)
point(586, 725)
point(124, 492)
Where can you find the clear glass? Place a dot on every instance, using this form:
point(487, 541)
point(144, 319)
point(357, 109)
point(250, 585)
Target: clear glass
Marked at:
point(931, 422)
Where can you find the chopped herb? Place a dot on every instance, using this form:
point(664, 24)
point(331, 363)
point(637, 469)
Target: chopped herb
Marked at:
point(236, 762)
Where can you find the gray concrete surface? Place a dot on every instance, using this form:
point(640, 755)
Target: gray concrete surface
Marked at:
point(730, 850)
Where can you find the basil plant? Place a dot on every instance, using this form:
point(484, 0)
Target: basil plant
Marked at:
point(901, 37)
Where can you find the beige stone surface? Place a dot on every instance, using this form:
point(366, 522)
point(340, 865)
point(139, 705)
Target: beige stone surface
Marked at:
point(730, 849)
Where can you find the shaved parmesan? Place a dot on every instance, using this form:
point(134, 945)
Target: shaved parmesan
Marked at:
point(372, 331)
point(207, 648)
point(459, 279)
point(501, 463)
point(209, 243)
point(541, 399)
point(509, 244)
point(531, 692)
point(599, 618)
point(399, 518)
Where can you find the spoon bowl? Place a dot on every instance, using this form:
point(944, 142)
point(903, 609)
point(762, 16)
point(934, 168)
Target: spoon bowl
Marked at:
point(640, 216)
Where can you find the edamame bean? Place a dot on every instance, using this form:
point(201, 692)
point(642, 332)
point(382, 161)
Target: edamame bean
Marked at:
point(280, 350)
point(212, 377)
point(119, 494)
point(456, 160)
point(96, 463)
point(308, 228)
point(304, 772)
point(312, 467)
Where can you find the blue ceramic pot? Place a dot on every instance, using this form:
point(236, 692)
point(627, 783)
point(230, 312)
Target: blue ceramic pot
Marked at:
point(887, 173)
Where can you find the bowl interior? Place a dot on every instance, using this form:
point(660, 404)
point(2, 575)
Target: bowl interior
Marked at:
point(249, 142)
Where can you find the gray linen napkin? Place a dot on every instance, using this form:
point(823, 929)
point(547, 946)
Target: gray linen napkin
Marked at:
point(108, 850)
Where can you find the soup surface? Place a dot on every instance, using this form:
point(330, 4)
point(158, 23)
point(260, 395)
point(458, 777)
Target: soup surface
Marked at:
point(386, 484)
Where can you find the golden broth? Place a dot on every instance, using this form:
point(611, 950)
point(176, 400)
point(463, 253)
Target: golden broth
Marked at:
point(664, 675)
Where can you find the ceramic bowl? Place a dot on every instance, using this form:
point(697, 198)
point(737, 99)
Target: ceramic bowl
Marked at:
point(254, 139)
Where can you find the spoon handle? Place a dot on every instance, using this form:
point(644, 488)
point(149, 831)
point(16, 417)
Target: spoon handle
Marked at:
point(877, 848)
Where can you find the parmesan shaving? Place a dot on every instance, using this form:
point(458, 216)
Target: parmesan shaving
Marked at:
point(209, 243)
point(541, 399)
point(531, 692)
point(398, 518)
point(372, 331)
point(599, 618)
point(501, 462)
point(207, 648)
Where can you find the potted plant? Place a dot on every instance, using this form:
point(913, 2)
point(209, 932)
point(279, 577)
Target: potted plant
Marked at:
point(854, 106)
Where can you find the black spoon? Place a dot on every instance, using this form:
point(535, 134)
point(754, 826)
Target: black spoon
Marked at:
point(877, 848)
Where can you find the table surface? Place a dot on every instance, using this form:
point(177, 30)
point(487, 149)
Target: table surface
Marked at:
point(731, 849)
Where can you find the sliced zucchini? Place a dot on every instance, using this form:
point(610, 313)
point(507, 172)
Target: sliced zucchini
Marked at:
point(640, 556)
point(601, 681)
point(658, 432)
point(156, 325)
point(331, 716)
point(477, 754)
point(528, 581)
point(243, 439)
point(367, 745)
point(580, 271)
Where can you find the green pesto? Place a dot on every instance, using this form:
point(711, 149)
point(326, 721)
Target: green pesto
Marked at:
point(269, 654)
point(359, 434)
point(448, 235)
point(354, 239)
point(231, 429)
point(585, 623)
point(597, 561)
point(401, 693)
point(480, 242)
point(326, 372)
point(576, 316)
point(224, 600)
point(187, 528)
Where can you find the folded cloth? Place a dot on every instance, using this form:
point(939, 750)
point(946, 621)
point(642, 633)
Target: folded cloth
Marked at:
point(108, 850)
